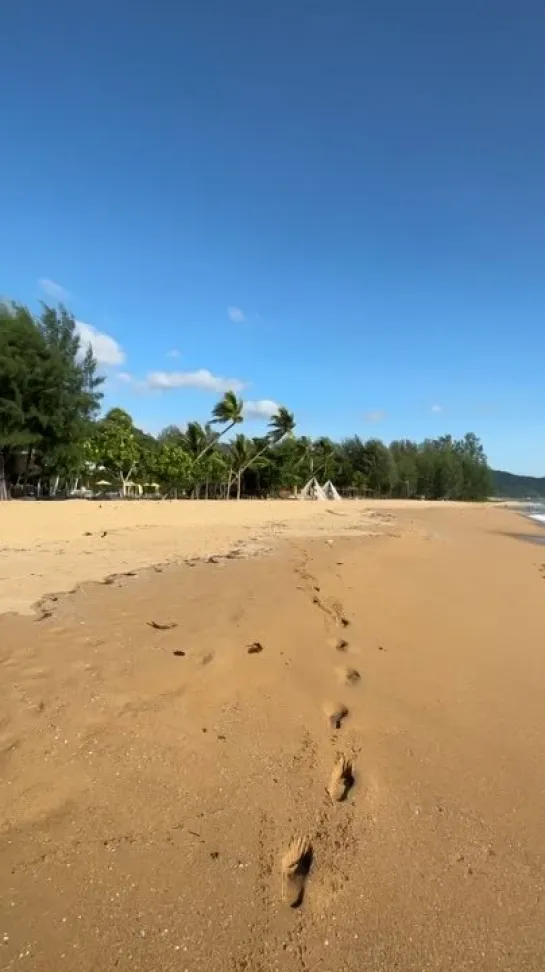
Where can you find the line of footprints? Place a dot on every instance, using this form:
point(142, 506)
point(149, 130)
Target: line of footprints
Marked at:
point(296, 862)
point(298, 857)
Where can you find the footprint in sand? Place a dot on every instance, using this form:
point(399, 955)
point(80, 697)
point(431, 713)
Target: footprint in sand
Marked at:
point(342, 779)
point(335, 713)
point(348, 676)
point(339, 644)
point(294, 869)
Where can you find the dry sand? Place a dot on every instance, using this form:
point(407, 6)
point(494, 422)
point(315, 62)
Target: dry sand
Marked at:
point(154, 777)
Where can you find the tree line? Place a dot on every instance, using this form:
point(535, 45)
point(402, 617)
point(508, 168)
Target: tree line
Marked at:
point(53, 437)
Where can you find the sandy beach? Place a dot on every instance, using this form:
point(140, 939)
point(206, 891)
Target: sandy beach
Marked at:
point(53, 547)
point(172, 712)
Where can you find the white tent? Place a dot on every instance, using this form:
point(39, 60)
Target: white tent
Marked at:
point(330, 491)
point(312, 491)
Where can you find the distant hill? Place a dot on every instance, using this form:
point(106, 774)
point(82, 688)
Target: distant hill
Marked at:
point(518, 487)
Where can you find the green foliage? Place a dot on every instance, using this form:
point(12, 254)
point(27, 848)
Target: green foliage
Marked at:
point(242, 453)
point(198, 439)
point(212, 468)
point(325, 458)
point(288, 466)
point(405, 456)
point(172, 434)
point(174, 466)
point(281, 424)
point(228, 411)
point(115, 447)
point(23, 360)
point(379, 468)
point(452, 469)
point(49, 390)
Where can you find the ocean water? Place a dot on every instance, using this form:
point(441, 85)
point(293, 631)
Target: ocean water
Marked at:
point(532, 511)
point(535, 512)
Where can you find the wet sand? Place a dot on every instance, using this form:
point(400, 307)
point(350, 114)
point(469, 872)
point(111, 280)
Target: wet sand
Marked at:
point(164, 736)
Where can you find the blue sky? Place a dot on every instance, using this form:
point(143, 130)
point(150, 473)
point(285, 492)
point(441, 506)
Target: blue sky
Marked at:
point(341, 206)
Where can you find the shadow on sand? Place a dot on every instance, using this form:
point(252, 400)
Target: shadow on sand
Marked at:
point(536, 538)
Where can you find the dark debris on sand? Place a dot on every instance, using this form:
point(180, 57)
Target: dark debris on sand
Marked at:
point(255, 648)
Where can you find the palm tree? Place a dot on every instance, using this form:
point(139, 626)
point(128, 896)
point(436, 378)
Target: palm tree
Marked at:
point(281, 425)
point(241, 454)
point(196, 439)
point(326, 457)
point(214, 470)
point(228, 412)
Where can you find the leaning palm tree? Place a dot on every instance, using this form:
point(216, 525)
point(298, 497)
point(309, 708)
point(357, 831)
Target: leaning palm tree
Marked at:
point(228, 411)
point(196, 440)
point(305, 453)
point(241, 453)
point(281, 425)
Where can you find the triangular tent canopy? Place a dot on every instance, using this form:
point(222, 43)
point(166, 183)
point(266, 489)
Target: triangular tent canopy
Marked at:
point(330, 491)
point(312, 491)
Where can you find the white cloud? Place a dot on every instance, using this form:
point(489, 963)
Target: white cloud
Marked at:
point(263, 409)
point(173, 354)
point(203, 379)
point(52, 289)
point(105, 348)
point(124, 376)
point(437, 408)
point(375, 416)
point(236, 315)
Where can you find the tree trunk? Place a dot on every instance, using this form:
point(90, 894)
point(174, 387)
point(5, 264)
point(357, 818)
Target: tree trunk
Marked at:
point(27, 466)
point(124, 480)
point(214, 441)
point(257, 456)
point(239, 484)
point(3, 483)
point(229, 483)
